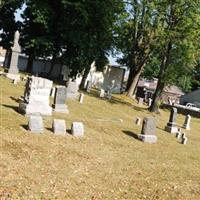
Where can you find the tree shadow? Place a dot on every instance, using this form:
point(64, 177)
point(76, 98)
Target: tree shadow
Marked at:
point(131, 134)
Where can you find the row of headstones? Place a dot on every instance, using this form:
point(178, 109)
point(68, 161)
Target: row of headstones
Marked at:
point(148, 133)
point(36, 125)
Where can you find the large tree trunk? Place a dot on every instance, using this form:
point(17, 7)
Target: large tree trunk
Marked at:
point(161, 79)
point(135, 76)
point(85, 74)
point(29, 66)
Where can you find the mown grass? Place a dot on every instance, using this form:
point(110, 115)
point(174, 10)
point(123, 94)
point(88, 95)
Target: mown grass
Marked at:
point(108, 163)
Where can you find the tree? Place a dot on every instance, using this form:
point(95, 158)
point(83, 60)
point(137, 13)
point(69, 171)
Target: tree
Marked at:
point(178, 41)
point(136, 35)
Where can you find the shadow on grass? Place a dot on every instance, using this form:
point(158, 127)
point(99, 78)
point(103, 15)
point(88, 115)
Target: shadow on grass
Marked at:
point(131, 134)
point(15, 99)
point(69, 131)
point(114, 100)
point(15, 108)
point(25, 127)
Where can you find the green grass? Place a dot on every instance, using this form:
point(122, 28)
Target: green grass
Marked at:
point(108, 163)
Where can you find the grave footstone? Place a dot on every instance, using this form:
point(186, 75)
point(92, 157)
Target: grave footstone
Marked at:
point(35, 124)
point(140, 101)
point(187, 122)
point(81, 98)
point(36, 97)
point(102, 93)
point(59, 100)
point(149, 102)
point(171, 125)
point(77, 129)
point(59, 127)
point(148, 133)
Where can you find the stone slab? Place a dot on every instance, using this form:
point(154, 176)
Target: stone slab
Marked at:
point(13, 76)
point(148, 138)
point(59, 127)
point(171, 129)
point(77, 129)
point(62, 108)
point(35, 124)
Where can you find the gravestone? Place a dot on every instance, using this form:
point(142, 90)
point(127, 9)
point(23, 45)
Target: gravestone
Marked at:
point(148, 130)
point(13, 67)
point(81, 98)
point(184, 140)
point(178, 134)
point(138, 121)
point(59, 100)
point(88, 86)
point(77, 129)
point(35, 124)
point(140, 101)
point(59, 127)
point(187, 122)
point(171, 125)
point(149, 102)
point(102, 93)
point(36, 97)
point(72, 90)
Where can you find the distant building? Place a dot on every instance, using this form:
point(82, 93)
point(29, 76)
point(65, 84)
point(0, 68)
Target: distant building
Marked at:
point(146, 89)
point(192, 97)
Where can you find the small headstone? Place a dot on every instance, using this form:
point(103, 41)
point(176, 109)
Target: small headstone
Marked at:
point(59, 100)
point(77, 129)
point(179, 134)
point(187, 122)
point(183, 135)
point(149, 102)
point(88, 86)
point(59, 127)
point(15, 81)
point(138, 121)
point(35, 124)
point(148, 130)
point(184, 140)
point(102, 93)
point(171, 125)
point(81, 98)
point(140, 101)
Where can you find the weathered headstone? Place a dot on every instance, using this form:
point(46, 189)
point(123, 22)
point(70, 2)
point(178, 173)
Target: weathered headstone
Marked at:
point(140, 101)
point(138, 121)
point(77, 129)
point(13, 68)
point(81, 98)
point(187, 122)
point(36, 97)
point(35, 124)
point(59, 100)
point(171, 125)
point(59, 127)
point(148, 133)
point(102, 93)
point(72, 90)
point(88, 86)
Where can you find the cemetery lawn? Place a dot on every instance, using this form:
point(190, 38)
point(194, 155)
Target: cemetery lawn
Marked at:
point(109, 163)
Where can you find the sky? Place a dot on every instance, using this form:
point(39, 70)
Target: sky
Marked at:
point(18, 18)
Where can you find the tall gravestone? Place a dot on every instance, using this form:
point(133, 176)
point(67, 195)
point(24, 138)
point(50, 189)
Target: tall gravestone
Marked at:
point(186, 124)
point(36, 97)
point(13, 67)
point(59, 100)
point(171, 125)
point(148, 133)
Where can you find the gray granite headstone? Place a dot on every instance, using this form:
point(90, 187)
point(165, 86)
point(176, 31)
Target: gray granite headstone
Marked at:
point(59, 100)
point(171, 125)
point(77, 129)
point(59, 127)
point(187, 122)
point(148, 133)
point(35, 124)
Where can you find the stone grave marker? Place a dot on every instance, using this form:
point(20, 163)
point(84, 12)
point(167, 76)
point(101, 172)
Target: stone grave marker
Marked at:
point(77, 129)
point(36, 97)
point(184, 140)
point(59, 100)
point(148, 133)
point(72, 90)
point(102, 93)
point(138, 121)
point(59, 127)
point(149, 102)
point(35, 124)
point(81, 98)
point(178, 134)
point(140, 101)
point(187, 122)
point(171, 125)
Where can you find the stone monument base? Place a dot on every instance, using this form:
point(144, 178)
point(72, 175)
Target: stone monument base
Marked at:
point(13, 76)
point(171, 129)
point(62, 108)
point(31, 109)
point(148, 138)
